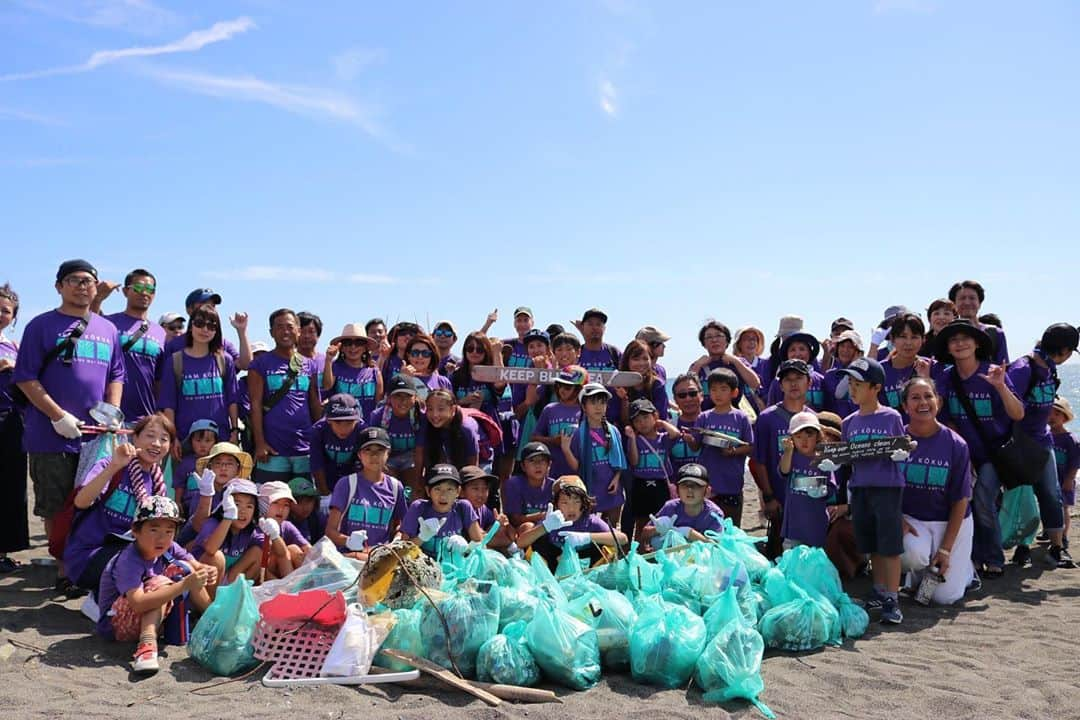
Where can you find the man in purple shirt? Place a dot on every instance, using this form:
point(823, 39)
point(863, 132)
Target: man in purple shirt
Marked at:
point(61, 387)
point(969, 295)
point(596, 354)
point(142, 342)
point(445, 335)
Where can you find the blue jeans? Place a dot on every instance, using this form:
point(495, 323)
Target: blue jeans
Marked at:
point(986, 548)
point(1048, 493)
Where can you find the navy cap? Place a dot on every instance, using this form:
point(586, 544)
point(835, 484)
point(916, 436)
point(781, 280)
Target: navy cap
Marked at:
point(535, 448)
point(536, 334)
point(400, 383)
point(443, 472)
point(201, 296)
point(796, 365)
point(865, 369)
point(640, 407)
point(69, 267)
point(342, 406)
point(374, 436)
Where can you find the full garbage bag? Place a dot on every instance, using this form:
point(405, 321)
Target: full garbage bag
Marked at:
point(565, 648)
point(222, 640)
point(806, 623)
point(471, 614)
point(1019, 516)
point(665, 642)
point(506, 659)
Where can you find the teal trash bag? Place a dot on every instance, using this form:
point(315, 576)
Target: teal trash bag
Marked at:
point(665, 643)
point(853, 619)
point(472, 616)
point(565, 648)
point(484, 564)
point(695, 587)
point(517, 603)
point(727, 609)
point(644, 577)
point(543, 581)
point(405, 636)
point(743, 547)
point(222, 640)
point(730, 666)
point(615, 575)
point(810, 568)
point(506, 659)
point(777, 588)
point(569, 565)
point(612, 615)
point(806, 623)
point(1019, 516)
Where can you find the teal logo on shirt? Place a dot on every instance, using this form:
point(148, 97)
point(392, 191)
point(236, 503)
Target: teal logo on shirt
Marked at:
point(202, 386)
point(122, 503)
point(147, 346)
point(930, 477)
point(301, 384)
point(359, 390)
point(369, 515)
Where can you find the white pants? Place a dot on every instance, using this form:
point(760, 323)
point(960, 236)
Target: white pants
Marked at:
point(920, 549)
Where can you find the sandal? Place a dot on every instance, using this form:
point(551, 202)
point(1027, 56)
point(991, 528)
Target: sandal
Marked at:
point(992, 572)
point(8, 565)
point(68, 589)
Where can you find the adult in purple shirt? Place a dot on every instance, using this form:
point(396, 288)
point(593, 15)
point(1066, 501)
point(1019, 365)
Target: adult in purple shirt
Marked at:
point(142, 341)
point(422, 363)
point(1035, 378)
point(938, 527)
point(969, 295)
point(516, 352)
point(715, 337)
point(14, 528)
point(636, 358)
point(844, 347)
point(478, 349)
point(596, 354)
point(657, 341)
point(445, 335)
point(908, 337)
point(62, 391)
point(349, 367)
point(688, 397)
point(748, 344)
point(366, 508)
point(284, 403)
point(801, 346)
point(200, 380)
point(990, 391)
point(310, 331)
point(199, 297)
point(393, 355)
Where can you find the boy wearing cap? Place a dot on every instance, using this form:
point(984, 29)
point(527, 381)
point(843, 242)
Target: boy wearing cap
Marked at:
point(142, 343)
point(595, 453)
point(876, 486)
point(647, 456)
point(692, 514)
point(726, 466)
point(525, 497)
point(61, 387)
point(136, 592)
point(305, 513)
point(400, 417)
point(561, 417)
point(367, 507)
point(444, 521)
point(335, 438)
point(476, 488)
point(809, 490)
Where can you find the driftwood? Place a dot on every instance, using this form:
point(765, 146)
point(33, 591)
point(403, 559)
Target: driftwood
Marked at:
point(512, 693)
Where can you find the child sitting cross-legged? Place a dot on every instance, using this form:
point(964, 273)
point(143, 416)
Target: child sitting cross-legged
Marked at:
point(692, 515)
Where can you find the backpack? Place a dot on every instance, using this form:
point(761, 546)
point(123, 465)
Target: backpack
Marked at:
point(65, 521)
point(491, 431)
point(178, 366)
point(354, 478)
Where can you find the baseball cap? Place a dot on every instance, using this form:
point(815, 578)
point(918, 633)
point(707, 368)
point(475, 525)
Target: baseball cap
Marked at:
point(523, 310)
point(342, 406)
point(374, 436)
point(400, 384)
point(203, 424)
point(572, 375)
point(591, 389)
point(796, 365)
point(202, 295)
point(443, 472)
point(169, 318)
point(259, 347)
point(69, 267)
point(536, 334)
point(894, 310)
point(272, 491)
point(445, 324)
point(595, 312)
point(693, 473)
point(533, 449)
point(475, 472)
point(866, 370)
point(841, 323)
point(640, 407)
point(802, 420)
point(158, 507)
point(302, 487)
point(652, 334)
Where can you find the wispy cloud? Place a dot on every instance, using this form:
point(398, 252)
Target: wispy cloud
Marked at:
point(191, 42)
point(609, 98)
point(350, 63)
point(297, 274)
point(23, 116)
point(138, 16)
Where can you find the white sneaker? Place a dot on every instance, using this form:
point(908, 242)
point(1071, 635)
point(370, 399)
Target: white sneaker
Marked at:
point(90, 609)
point(146, 660)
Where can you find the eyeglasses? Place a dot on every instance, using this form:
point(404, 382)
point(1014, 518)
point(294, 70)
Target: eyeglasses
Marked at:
point(443, 333)
point(420, 352)
point(203, 323)
point(353, 343)
point(687, 394)
point(143, 288)
point(79, 281)
point(707, 338)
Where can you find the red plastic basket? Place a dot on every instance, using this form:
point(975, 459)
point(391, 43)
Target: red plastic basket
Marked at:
point(296, 650)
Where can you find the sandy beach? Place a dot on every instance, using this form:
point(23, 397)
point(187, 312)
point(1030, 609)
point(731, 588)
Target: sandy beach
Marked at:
point(1008, 651)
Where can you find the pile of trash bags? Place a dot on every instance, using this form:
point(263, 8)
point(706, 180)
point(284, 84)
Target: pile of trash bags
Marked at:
point(705, 611)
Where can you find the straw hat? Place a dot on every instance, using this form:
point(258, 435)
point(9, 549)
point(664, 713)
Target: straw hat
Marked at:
point(1062, 406)
point(750, 329)
point(354, 331)
point(225, 448)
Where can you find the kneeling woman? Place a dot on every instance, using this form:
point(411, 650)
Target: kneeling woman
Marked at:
point(570, 521)
point(112, 490)
point(938, 527)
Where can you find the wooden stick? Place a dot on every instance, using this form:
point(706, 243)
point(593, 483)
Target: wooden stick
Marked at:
point(438, 671)
point(512, 693)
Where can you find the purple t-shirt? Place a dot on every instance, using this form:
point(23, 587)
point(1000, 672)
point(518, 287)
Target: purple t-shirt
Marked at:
point(314, 527)
point(202, 393)
point(1039, 400)
point(726, 473)
point(404, 432)
point(489, 403)
point(286, 426)
point(333, 455)
point(606, 358)
point(518, 358)
point(521, 498)
point(8, 351)
point(805, 518)
point(141, 364)
point(436, 381)
point(359, 382)
point(661, 374)
point(842, 406)
point(459, 518)
point(711, 516)
point(652, 461)
point(558, 419)
point(374, 507)
point(895, 378)
point(986, 402)
point(876, 472)
point(235, 544)
point(448, 359)
point(126, 571)
point(769, 433)
point(703, 375)
point(320, 367)
point(185, 484)
point(937, 474)
point(815, 396)
point(485, 516)
point(97, 361)
point(292, 535)
point(680, 453)
point(393, 366)
point(111, 516)
point(1067, 458)
point(591, 523)
point(600, 471)
point(178, 343)
point(470, 431)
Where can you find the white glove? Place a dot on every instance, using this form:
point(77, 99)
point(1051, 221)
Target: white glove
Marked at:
point(512, 549)
point(663, 524)
point(878, 336)
point(899, 455)
point(828, 465)
point(456, 542)
point(357, 540)
point(229, 511)
point(206, 483)
point(430, 527)
point(270, 527)
point(68, 426)
point(577, 539)
point(554, 520)
point(324, 504)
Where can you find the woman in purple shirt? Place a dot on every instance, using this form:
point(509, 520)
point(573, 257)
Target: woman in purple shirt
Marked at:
point(938, 527)
point(391, 363)
point(422, 362)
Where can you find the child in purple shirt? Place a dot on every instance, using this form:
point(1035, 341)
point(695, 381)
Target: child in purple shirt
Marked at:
point(692, 514)
point(444, 522)
point(288, 546)
point(231, 540)
point(1066, 456)
point(335, 439)
point(401, 418)
point(726, 465)
point(202, 436)
point(810, 490)
point(525, 497)
point(595, 452)
point(561, 417)
point(476, 488)
point(647, 451)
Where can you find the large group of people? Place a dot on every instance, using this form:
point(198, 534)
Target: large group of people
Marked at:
point(236, 457)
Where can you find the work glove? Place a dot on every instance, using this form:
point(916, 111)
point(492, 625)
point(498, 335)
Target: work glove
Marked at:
point(554, 520)
point(357, 540)
point(68, 426)
point(206, 483)
point(430, 527)
point(270, 528)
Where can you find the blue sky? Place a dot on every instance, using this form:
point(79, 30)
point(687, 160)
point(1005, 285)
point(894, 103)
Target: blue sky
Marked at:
point(667, 161)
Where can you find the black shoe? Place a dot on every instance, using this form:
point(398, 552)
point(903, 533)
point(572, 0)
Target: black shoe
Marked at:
point(1042, 539)
point(1061, 557)
point(69, 589)
point(1022, 556)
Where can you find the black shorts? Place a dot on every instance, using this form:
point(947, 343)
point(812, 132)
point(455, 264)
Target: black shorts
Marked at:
point(647, 496)
point(878, 520)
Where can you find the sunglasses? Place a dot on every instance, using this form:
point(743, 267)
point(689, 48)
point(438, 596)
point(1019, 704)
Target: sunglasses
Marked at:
point(656, 344)
point(443, 333)
point(143, 288)
point(420, 352)
point(687, 394)
point(474, 348)
point(178, 327)
point(204, 324)
point(353, 343)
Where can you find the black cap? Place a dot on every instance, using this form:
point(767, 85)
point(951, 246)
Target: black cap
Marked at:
point(69, 267)
point(595, 312)
point(400, 383)
point(475, 472)
point(342, 406)
point(693, 473)
point(536, 334)
point(640, 407)
point(443, 472)
point(535, 448)
point(1059, 336)
point(200, 296)
point(798, 366)
point(374, 436)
